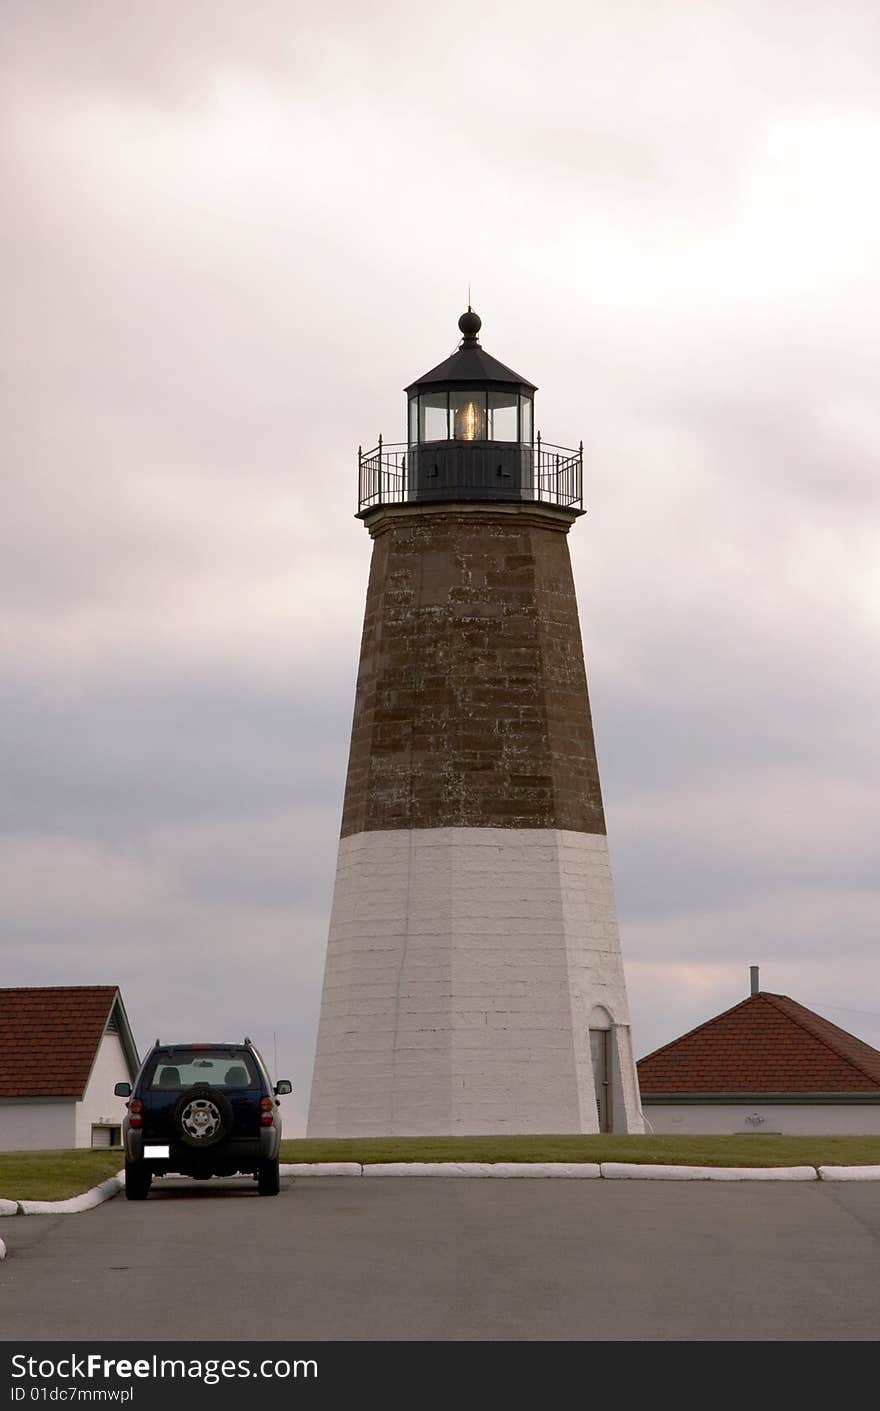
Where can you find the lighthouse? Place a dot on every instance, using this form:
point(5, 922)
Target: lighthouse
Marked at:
point(473, 980)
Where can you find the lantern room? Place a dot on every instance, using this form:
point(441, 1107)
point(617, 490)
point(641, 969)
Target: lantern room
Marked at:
point(470, 436)
point(470, 426)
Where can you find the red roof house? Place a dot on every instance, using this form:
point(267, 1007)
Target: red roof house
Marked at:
point(62, 1048)
point(767, 1064)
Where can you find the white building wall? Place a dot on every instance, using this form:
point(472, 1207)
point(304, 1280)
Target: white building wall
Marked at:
point(98, 1104)
point(462, 968)
point(37, 1125)
point(790, 1119)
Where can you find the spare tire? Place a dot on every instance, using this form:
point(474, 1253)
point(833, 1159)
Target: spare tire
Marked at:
point(202, 1116)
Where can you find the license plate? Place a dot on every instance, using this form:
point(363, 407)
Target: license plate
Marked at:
point(157, 1152)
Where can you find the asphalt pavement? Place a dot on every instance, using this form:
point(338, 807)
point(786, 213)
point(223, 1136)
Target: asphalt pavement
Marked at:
point(452, 1259)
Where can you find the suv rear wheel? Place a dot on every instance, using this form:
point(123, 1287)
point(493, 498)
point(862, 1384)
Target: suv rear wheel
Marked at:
point(268, 1178)
point(138, 1178)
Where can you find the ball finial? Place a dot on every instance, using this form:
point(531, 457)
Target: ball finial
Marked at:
point(470, 325)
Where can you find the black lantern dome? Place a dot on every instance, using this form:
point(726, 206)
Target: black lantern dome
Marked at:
point(470, 426)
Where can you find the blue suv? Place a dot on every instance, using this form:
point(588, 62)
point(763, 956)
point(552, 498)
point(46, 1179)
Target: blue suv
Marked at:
point(202, 1110)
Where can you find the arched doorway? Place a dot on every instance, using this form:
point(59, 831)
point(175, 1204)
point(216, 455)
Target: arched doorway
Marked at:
point(601, 1053)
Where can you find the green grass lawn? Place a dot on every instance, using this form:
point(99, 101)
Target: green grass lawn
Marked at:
point(748, 1150)
point(55, 1175)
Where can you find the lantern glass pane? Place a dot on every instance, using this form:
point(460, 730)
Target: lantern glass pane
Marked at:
point(413, 420)
point(502, 416)
point(467, 414)
point(525, 413)
point(433, 425)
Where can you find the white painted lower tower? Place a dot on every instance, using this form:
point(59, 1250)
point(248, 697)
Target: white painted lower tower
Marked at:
point(466, 969)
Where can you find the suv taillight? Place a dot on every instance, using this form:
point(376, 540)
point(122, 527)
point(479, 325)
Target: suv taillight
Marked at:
point(267, 1112)
point(135, 1109)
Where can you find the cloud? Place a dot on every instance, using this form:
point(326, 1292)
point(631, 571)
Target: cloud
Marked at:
point(47, 880)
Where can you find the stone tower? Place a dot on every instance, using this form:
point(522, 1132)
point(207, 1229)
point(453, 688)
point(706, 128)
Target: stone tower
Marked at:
point(474, 980)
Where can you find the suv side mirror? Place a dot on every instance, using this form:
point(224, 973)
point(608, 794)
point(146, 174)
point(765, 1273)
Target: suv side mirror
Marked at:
point(122, 1090)
point(283, 1087)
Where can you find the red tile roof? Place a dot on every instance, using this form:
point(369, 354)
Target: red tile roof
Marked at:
point(49, 1038)
point(768, 1043)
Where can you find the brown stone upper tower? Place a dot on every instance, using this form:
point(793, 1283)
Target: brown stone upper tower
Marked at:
point(473, 980)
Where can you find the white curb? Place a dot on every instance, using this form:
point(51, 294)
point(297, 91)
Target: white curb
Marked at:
point(626, 1171)
point(584, 1169)
point(849, 1173)
point(87, 1201)
point(321, 1168)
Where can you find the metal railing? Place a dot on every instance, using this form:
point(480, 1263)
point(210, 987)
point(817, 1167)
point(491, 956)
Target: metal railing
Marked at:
point(382, 475)
point(557, 476)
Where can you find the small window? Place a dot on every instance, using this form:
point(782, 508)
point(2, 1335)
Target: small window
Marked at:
point(433, 420)
point(502, 416)
point(104, 1136)
point(525, 419)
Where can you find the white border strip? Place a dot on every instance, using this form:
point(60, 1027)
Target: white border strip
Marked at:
point(627, 1171)
point(77, 1203)
point(850, 1173)
point(610, 1170)
point(322, 1168)
point(583, 1169)
point(571, 1170)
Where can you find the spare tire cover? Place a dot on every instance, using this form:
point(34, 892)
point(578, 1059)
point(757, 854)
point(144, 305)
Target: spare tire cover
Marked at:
point(202, 1116)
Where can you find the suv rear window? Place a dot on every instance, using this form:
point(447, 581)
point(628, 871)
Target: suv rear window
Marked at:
point(226, 1068)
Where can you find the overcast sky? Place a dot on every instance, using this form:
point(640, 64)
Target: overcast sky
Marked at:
point(231, 234)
